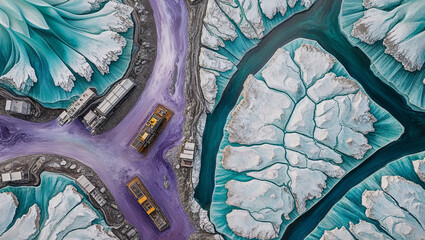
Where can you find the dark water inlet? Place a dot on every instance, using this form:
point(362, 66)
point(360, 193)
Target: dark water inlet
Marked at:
point(320, 23)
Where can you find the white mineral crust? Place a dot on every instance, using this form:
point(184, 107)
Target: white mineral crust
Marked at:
point(337, 234)
point(8, 205)
point(214, 61)
point(103, 44)
point(244, 225)
point(249, 20)
point(313, 62)
point(327, 123)
point(380, 3)
point(289, 134)
point(373, 26)
point(93, 232)
point(217, 27)
point(326, 167)
point(281, 73)
point(367, 231)
point(352, 143)
point(209, 86)
point(419, 167)
point(331, 86)
point(59, 206)
point(260, 115)
point(306, 185)
point(301, 120)
point(306, 3)
point(310, 148)
point(396, 221)
point(256, 195)
point(271, 216)
point(299, 160)
point(271, 7)
point(21, 75)
point(277, 174)
point(241, 159)
point(81, 216)
point(355, 112)
point(115, 17)
point(408, 195)
point(25, 227)
point(395, 22)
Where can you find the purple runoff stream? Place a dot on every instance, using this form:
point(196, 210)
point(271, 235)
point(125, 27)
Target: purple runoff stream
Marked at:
point(109, 154)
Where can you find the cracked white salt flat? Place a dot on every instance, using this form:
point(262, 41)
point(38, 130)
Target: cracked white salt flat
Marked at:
point(408, 195)
point(208, 86)
point(243, 224)
point(419, 167)
point(271, 7)
point(81, 216)
point(224, 16)
point(355, 112)
point(366, 231)
point(217, 27)
point(398, 24)
point(256, 157)
point(292, 139)
point(331, 86)
point(327, 124)
point(337, 234)
point(68, 217)
point(25, 227)
point(278, 174)
point(313, 62)
point(211, 60)
point(260, 115)
point(394, 210)
point(352, 143)
point(301, 120)
point(396, 221)
point(256, 195)
point(214, 61)
point(306, 3)
point(59, 206)
point(310, 148)
point(246, 16)
point(304, 188)
point(283, 74)
point(93, 232)
point(8, 205)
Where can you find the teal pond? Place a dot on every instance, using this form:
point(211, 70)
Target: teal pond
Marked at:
point(319, 23)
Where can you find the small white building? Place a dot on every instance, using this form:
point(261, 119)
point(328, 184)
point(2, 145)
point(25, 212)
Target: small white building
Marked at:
point(85, 184)
point(91, 189)
point(187, 155)
point(20, 107)
point(13, 176)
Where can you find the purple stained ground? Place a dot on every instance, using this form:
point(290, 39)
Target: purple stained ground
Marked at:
point(109, 154)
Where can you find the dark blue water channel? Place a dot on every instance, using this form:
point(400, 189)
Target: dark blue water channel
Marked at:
point(320, 23)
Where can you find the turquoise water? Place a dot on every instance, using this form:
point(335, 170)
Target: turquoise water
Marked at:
point(409, 84)
point(41, 55)
point(320, 23)
point(387, 129)
point(51, 185)
point(350, 208)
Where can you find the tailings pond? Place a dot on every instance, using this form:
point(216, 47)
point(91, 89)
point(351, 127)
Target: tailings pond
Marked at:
point(320, 23)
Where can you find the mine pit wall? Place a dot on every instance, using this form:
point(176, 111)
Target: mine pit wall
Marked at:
point(195, 118)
